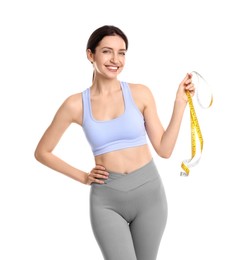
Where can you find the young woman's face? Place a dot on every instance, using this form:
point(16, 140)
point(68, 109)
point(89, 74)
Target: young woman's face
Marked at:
point(109, 56)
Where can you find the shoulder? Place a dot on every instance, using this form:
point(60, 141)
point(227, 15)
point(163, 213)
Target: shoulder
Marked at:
point(139, 88)
point(73, 101)
point(140, 91)
point(73, 106)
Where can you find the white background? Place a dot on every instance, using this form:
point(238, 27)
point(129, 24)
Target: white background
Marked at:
point(44, 214)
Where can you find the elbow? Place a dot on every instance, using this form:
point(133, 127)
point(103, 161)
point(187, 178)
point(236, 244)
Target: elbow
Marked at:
point(38, 155)
point(165, 154)
point(42, 155)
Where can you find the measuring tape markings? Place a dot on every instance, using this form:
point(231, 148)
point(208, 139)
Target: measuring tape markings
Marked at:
point(195, 128)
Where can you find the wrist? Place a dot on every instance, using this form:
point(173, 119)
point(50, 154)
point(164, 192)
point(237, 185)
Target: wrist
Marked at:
point(181, 102)
point(86, 179)
point(83, 178)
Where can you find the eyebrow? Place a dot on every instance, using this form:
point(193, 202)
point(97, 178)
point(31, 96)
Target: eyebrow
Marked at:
point(112, 48)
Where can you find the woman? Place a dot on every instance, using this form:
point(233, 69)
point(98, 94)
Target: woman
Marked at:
point(128, 207)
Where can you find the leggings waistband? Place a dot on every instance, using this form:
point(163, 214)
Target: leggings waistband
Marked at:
point(132, 180)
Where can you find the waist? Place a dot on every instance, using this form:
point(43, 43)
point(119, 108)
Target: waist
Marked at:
point(128, 182)
point(125, 160)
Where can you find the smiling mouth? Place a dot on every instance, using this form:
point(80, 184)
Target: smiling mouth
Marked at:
point(112, 68)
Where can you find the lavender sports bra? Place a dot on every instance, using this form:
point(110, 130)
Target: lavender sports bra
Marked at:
point(124, 131)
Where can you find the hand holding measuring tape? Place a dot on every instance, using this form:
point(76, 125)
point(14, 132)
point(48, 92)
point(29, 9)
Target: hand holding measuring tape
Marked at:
point(203, 89)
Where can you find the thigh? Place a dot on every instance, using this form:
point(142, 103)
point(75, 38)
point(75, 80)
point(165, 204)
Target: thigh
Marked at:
point(148, 227)
point(113, 235)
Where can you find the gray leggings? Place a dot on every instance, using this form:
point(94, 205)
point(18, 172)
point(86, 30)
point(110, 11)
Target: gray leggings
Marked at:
point(128, 214)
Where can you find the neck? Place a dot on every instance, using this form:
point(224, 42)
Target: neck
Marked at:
point(105, 86)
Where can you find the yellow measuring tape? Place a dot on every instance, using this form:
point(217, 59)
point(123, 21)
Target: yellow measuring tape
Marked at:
point(195, 128)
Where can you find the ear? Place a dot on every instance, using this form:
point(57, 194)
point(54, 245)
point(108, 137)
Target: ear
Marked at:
point(89, 55)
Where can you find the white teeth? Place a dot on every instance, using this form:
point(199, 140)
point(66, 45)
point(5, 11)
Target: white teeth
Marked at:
point(113, 68)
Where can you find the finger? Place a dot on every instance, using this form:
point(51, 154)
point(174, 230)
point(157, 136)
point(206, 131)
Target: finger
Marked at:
point(99, 181)
point(92, 179)
point(100, 176)
point(101, 172)
point(188, 81)
point(191, 89)
point(188, 76)
point(99, 167)
point(190, 86)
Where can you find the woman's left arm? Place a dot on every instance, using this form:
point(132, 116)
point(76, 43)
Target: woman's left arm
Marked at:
point(163, 140)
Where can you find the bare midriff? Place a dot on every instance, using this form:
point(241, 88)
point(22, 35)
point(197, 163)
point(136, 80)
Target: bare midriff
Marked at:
point(125, 160)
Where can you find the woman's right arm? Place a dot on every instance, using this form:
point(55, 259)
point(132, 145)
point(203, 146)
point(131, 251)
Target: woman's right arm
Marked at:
point(69, 112)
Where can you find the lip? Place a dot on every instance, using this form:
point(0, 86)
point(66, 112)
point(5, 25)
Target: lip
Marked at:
point(112, 68)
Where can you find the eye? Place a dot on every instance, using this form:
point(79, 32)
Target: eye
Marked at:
point(122, 53)
point(106, 51)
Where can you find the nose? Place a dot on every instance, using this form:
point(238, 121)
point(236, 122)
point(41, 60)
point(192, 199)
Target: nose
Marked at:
point(114, 58)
